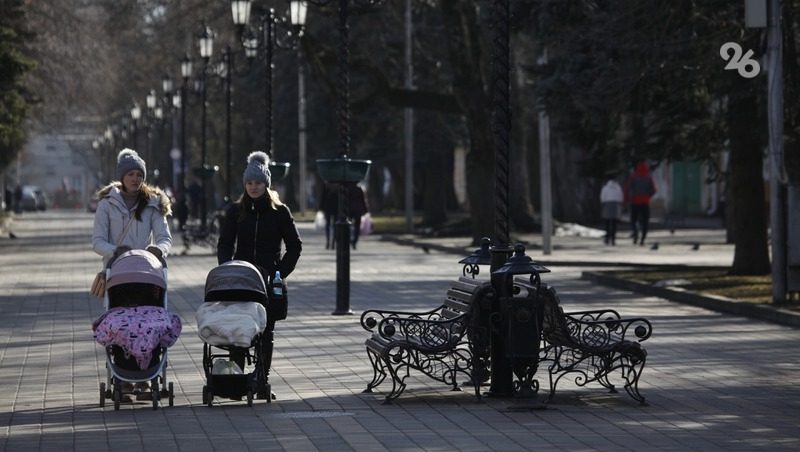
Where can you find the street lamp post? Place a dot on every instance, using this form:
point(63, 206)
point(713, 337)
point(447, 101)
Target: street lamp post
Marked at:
point(151, 106)
point(186, 73)
point(158, 120)
point(167, 90)
point(240, 10)
point(136, 113)
point(109, 136)
point(227, 76)
point(205, 42)
point(297, 16)
point(514, 340)
point(343, 170)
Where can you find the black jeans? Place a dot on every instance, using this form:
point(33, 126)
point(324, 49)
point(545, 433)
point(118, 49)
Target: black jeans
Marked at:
point(356, 231)
point(611, 231)
point(640, 217)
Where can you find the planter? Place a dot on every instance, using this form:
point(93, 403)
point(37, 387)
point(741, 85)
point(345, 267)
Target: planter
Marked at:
point(343, 169)
point(279, 170)
point(206, 171)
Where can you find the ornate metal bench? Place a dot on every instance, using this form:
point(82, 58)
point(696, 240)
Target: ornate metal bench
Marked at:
point(436, 343)
point(591, 344)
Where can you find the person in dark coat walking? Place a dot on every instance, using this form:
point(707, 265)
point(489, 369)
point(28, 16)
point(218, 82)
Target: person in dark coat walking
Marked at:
point(356, 208)
point(638, 191)
point(253, 230)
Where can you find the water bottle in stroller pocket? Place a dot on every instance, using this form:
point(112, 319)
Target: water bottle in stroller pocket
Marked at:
point(278, 306)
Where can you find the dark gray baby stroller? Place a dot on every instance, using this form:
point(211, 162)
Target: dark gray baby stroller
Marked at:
point(231, 323)
point(136, 330)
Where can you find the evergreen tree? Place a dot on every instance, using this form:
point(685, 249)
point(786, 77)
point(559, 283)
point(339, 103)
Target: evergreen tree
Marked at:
point(15, 99)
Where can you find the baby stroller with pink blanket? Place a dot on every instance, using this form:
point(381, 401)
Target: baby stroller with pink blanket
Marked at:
point(136, 330)
point(231, 323)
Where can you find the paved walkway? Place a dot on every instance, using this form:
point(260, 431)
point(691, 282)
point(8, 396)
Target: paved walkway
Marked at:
point(713, 381)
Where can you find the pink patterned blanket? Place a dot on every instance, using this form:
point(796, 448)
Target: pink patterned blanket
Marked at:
point(138, 330)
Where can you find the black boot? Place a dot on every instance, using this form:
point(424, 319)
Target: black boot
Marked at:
point(267, 345)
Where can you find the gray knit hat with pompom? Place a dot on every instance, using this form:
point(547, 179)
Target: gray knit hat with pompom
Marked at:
point(128, 160)
point(257, 168)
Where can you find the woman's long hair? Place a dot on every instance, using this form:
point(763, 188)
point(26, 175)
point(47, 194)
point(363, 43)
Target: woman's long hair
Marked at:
point(146, 192)
point(246, 202)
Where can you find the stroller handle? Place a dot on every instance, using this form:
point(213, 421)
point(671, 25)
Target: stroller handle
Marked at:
point(115, 257)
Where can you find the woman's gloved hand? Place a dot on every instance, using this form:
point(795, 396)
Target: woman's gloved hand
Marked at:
point(155, 251)
point(120, 250)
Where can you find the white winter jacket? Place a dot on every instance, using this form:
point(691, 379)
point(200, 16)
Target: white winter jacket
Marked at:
point(611, 192)
point(112, 215)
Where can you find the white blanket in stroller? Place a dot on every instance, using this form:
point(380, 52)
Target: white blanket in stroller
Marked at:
point(230, 322)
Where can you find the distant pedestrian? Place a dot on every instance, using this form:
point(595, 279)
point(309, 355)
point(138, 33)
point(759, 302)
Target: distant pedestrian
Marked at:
point(356, 208)
point(195, 197)
point(8, 197)
point(638, 191)
point(611, 198)
point(18, 199)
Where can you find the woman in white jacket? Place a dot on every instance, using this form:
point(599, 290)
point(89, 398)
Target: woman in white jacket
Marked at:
point(131, 197)
point(611, 198)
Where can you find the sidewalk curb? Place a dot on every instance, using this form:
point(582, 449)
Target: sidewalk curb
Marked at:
point(427, 246)
point(714, 303)
point(467, 250)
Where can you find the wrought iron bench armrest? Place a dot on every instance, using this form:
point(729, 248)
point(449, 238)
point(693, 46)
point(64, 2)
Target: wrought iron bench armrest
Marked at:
point(371, 317)
point(427, 335)
point(605, 333)
point(599, 314)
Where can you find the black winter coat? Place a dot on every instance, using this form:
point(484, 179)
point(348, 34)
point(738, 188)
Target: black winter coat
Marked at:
point(256, 237)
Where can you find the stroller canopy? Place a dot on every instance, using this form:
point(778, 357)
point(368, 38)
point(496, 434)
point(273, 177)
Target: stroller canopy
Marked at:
point(235, 281)
point(137, 266)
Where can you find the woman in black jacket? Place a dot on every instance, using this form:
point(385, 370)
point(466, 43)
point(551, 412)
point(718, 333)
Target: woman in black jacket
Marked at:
point(253, 230)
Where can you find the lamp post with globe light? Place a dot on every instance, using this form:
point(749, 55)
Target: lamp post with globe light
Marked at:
point(267, 40)
point(205, 43)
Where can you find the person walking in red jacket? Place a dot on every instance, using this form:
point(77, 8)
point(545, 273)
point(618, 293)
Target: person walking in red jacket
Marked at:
point(638, 190)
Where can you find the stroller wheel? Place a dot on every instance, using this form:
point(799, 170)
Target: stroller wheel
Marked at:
point(250, 397)
point(102, 395)
point(171, 394)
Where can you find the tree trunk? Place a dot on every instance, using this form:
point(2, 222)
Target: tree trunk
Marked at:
point(435, 174)
point(746, 184)
point(521, 207)
point(435, 199)
point(466, 57)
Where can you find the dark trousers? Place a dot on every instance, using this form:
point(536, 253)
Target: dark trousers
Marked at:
point(640, 218)
point(330, 233)
point(611, 231)
point(356, 231)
